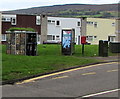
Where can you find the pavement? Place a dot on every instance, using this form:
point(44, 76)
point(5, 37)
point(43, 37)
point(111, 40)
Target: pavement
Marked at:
point(108, 59)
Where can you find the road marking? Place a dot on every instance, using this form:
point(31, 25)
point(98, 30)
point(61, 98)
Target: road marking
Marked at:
point(79, 68)
point(114, 70)
point(91, 95)
point(91, 73)
point(60, 77)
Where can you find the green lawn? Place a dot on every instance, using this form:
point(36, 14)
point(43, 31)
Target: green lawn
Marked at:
point(49, 59)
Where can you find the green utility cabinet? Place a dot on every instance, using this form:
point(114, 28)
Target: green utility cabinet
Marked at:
point(114, 47)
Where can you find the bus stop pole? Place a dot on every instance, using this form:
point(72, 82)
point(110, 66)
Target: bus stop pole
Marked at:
point(82, 49)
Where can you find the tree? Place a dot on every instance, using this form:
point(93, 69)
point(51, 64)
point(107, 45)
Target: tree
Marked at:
point(106, 14)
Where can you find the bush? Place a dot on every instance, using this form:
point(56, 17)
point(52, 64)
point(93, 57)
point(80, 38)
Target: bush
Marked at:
point(21, 29)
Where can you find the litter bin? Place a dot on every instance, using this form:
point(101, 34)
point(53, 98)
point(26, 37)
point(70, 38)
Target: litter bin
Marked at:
point(103, 48)
point(114, 47)
point(68, 41)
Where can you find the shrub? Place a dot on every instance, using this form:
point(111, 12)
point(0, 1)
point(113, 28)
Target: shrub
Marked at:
point(21, 29)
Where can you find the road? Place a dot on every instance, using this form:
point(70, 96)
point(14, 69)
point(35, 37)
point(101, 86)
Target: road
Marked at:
point(100, 80)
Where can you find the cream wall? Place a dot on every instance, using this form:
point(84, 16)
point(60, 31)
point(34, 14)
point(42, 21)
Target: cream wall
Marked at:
point(102, 31)
point(117, 31)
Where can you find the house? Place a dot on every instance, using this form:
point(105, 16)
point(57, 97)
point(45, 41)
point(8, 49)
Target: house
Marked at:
point(101, 29)
point(117, 30)
point(20, 20)
point(49, 28)
point(56, 24)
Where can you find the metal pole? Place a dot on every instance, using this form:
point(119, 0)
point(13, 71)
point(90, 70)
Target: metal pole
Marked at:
point(83, 49)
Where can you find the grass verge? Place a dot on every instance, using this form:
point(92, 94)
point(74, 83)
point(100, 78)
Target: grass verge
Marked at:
point(49, 59)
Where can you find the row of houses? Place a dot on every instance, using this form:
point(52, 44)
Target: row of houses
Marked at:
point(103, 29)
point(49, 28)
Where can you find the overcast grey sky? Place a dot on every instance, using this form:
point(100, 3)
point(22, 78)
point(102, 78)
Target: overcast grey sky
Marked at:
point(21, 4)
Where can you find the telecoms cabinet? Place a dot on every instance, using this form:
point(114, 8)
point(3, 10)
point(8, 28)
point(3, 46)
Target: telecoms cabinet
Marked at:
point(68, 41)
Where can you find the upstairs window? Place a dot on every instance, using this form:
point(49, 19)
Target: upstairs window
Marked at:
point(13, 21)
point(90, 23)
point(6, 19)
point(37, 20)
point(49, 21)
point(78, 24)
point(57, 23)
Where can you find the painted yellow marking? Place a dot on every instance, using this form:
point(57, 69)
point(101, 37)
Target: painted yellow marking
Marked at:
point(44, 76)
point(22, 82)
point(91, 73)
point(112, 70)
point(60, 77)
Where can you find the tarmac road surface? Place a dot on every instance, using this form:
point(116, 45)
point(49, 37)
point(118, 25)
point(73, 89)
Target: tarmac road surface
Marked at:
point(100, 80)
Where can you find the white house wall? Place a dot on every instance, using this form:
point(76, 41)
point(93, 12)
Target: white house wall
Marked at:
point(64, 23)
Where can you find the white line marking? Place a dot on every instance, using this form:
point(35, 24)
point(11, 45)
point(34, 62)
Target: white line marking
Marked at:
point(91, 73)
point(101, 93)
point(60, 77)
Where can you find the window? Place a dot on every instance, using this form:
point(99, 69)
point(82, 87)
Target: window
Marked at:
point(53, 21)
point(49, 21)
point(6, 19)
point(89, 22)
point(57, 37)
point(3, 19)
point(49, 37)
point(13, 21)
point(113, 24)
point(78, 24)
point(53, 37)
point(95, 37)
point(95, 24)
point(89, 38)
point(57, 23)
point(38, 38)
point(3, 37)
point(111, 38)
point(37, 20)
